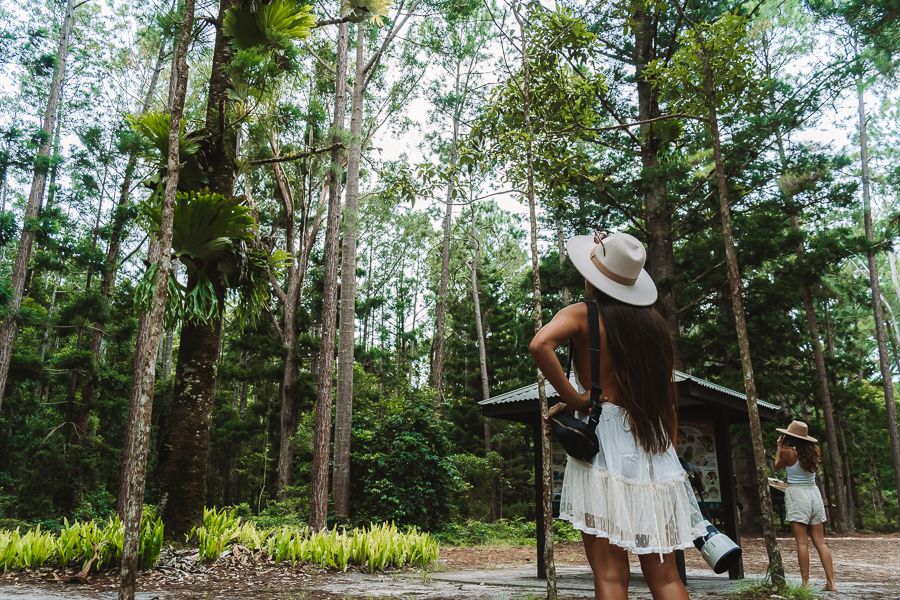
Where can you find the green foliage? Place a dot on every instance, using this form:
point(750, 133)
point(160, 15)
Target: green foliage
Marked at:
point(82, 543)
point(8, 227)
point(712, 67)
point(153, 126)
point(518, 532)
point(361, 10)
point(377, 547)
point(206, 224)
point(765, 590)
point(402, 468)
point(274, 24)
point(219, 530)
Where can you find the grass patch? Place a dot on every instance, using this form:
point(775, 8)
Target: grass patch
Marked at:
point(766, 590)
point(515, 532)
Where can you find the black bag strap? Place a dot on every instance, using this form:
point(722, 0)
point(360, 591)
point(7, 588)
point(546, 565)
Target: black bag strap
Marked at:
point(594, 333)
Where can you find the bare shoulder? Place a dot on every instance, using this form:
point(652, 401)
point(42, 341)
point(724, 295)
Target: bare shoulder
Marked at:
point(788, 455)
point(572, 315)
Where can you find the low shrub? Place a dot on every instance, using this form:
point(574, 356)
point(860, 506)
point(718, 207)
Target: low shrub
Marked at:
point(94, 545)
point(376, 547)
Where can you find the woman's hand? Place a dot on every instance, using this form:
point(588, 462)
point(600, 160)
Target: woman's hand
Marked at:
point(556, 408)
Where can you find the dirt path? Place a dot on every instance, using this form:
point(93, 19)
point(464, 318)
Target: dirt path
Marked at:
point(867, 568)
point(859, 559)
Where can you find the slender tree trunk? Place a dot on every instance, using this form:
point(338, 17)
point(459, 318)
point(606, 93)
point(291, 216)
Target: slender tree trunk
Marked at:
point(347, 339)
point(561, 248)
point(546, 467)
point(776, 566)
point(288, 413)
point(878, 310)
point(35, 198)
point(150, 327)
point(660, 255)
point(839, 516)
point(482, 364)
point(110, 263)
point(440, 319)
point(318, 503)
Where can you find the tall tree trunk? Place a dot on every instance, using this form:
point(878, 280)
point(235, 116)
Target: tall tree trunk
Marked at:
point(546, 467)
point(151, 324)
point(482, 364)
point(318, 502)
point(343, 417)
point(440, 319)
point(184, 470)
point(288, 413)
point(776, 566)
point(117, 232)
point(660, 255)
point(839, 515)
point(878, 310)
point(186, 455)
point(35, 198)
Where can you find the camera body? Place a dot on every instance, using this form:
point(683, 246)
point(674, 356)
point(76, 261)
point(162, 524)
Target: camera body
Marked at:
point(717, 549)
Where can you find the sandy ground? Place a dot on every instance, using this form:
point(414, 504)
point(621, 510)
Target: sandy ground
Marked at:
point(867, 567)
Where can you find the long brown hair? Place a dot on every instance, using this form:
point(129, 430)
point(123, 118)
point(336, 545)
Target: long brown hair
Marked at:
point(808, 453)
point(642, 355)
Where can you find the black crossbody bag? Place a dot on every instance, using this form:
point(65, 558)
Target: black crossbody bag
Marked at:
point(579, 438)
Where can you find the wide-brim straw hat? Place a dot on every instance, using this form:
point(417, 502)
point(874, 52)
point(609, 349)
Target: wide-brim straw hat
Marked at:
point(797, 429)
point(614, 264)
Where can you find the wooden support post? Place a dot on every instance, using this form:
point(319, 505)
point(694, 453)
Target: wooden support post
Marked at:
point(539, 498)
point(727, 484)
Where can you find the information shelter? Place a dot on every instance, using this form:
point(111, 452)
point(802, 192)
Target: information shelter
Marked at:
point(706, 412)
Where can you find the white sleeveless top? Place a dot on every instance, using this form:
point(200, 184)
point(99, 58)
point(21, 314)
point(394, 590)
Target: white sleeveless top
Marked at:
point(797, 475)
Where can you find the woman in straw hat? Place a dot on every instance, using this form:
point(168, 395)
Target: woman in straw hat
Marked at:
point(633, 496)
point(798, 454)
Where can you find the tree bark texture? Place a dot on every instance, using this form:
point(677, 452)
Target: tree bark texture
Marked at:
point(151, 325)
point(660, 255)
point(482, 364)
point(187, 449)
point(318, 503)
point(111, 261)
point(440, 318)
point(186, 452)
point(546, 470)
point(776, 566)
point(839, 516)
point(35, 197)
point(343, 418)
point(878, 310)
point(288, 413)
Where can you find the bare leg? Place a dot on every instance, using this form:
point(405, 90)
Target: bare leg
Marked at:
point(662, 577)
point(610, 566)
point(802, 538)
point(817, 533)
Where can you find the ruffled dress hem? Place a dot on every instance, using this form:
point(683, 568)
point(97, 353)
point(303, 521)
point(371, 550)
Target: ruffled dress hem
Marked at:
point(640, 516)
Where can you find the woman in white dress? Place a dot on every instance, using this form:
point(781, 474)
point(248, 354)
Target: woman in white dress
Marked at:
point(633, 496)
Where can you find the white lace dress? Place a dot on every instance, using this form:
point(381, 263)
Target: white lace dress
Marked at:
point(639, 501)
